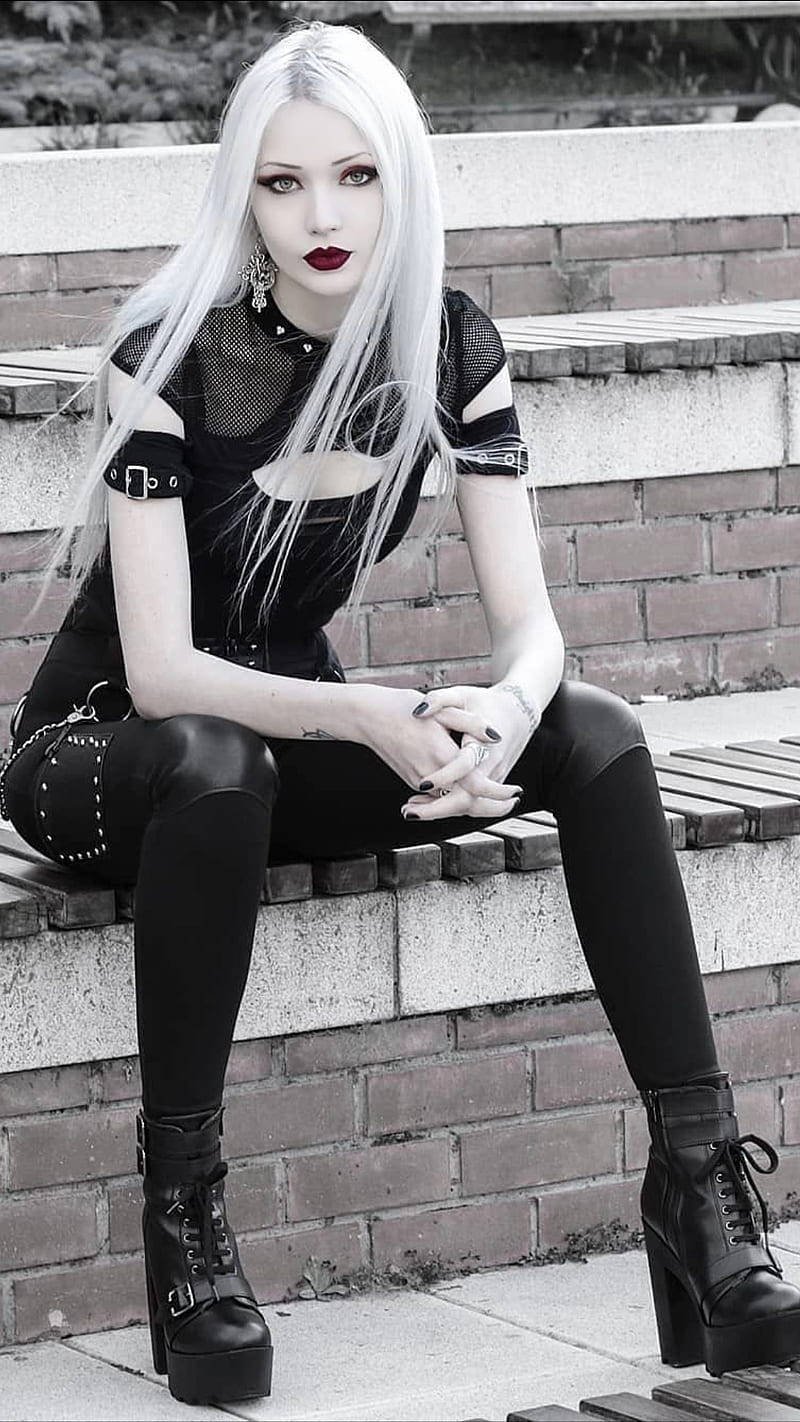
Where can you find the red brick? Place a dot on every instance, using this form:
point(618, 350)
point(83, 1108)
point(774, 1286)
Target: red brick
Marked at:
point(257, 1122)
point(793, 230)
point(249, 1061)
point(763, 276)
point(18, 598)
point(666, 281)
point(573, 1211)
point(726, 605)
point(84, 1146)
point(728, 234)
point(348, 641)
point(588, 503)
point(709, 493)
point(759, 1046)
point(528, 291)
point(251, 1192)
point(755, 1109)
point(497, 246)
point(538, 1152)
point(483, 1027)
point(789, 486)
point(349, 1181)
point(789, 599)
point(648, 668)
point(617, 239)
point(363, 1045)
point(56, 318)
point(589, 618)
point(470, 673)
point(48, 1229)
point(790, 982)
point(416, 633)
point(455, 574)
point(87, 271)
point(19, 663)
point(403, 574)
point(419, 677)
point(108, 1293)
point(442, 1094)
point(756, 543)
point(24, 552)
point(274, 1265)
point(472, 1236)
point(651, 551)
point(744, 658)
point(121, 1080)
point(741, 989)
point(48, 1089)
point(474, 281)
point(791, 1113)
point(25, 273)
point(574, 1073)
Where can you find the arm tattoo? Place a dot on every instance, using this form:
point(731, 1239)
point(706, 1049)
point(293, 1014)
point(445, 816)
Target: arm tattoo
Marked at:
point(318, 735)
point(531, 710)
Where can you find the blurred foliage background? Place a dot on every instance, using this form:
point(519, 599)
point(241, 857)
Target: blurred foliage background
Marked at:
point(102, 62)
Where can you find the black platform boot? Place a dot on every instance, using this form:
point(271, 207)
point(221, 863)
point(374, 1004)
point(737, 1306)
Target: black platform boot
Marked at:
point(207, 1332)
point(717, 1289)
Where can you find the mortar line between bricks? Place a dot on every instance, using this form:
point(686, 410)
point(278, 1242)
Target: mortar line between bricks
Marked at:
point(86, 1352)
point(555, 1334)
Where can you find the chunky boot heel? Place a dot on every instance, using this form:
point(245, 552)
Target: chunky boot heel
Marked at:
point(680, 1331)
point(718, 1290)
point(206, 1329)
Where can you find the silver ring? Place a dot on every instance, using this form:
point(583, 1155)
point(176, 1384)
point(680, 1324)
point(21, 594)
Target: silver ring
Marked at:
point(444, 792)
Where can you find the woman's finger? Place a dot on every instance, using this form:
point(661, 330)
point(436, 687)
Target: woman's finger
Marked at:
point(456, 804)
point(478, 784)
point(468, 758)
point(467, 721)
point(433, 701)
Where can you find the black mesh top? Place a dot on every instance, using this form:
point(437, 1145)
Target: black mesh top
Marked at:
point(237, 390)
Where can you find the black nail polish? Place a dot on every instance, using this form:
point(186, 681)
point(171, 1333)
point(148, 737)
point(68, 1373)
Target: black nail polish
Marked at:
point(411, 816)
point(426, 784)
point(493, 734)
point(418, 710)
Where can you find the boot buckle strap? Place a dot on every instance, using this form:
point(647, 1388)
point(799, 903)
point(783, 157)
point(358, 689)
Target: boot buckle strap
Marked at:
point(180, 1299)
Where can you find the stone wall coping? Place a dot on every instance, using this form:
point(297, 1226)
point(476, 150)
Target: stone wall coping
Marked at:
point(118, 199)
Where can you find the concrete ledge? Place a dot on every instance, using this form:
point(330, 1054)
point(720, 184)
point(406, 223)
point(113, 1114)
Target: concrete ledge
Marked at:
point(82, 200)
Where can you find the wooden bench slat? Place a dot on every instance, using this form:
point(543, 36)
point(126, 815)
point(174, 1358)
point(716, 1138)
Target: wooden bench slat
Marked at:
point(22, 395)
point(474, 853)
point(767, 815)
point(708, 822)
point(704, 1398)
point(286, 883)
point(551, 1412)
point(733, 776)
point(778, 749)
point(628, 1407)
point(357, 875)
point(761, 765)
point(19, 913)
point(408, 865)
point(528, 845)
point(790, 740)
point(70, 902)
point(776, 1383)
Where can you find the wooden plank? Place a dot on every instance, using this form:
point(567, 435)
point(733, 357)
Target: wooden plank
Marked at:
point(70, 901)
point(551, 1412)
point(409, 864)
point(767, 816)
point(776, 1383)
point(790, 740)
point(730, 775)
point(19, 913)
point(779, 750)
point(528, 845)
point(13, 843)
point(628, 1407)
point(357, 875)
point(286, 883)
point(25, 395)
point(763, 765)
point(466, 855)
point(707, 822)
point(702, 1398)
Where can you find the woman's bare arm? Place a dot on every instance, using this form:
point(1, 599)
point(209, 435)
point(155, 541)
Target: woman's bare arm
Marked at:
point(166, 674)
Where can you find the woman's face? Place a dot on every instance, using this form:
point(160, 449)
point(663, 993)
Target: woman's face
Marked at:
point(316, 187)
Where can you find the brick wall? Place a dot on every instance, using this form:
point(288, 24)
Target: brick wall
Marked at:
point(66, 297)
point(665, 585)
point(479, 1137)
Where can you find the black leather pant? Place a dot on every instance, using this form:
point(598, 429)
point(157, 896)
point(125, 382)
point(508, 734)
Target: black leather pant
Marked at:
point(191, 807)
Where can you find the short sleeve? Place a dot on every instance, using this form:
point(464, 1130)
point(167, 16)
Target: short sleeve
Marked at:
point(129, 355)
point(480, 351)
point(151, 464)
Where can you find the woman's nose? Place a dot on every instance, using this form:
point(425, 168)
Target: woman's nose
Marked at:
point(324, 214)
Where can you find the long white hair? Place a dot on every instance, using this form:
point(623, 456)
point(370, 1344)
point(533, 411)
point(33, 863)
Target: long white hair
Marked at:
point(340, 68)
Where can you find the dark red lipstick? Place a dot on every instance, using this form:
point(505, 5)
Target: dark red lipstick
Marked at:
point(326, 259)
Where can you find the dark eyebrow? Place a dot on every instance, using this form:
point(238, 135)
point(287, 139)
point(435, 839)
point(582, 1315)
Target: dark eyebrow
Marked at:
point(276, 163)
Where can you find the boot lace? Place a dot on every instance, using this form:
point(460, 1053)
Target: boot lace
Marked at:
point(731, 1165)
point(204, 1227)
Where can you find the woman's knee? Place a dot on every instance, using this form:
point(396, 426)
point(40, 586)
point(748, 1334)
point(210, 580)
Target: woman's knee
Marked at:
point(585, 729)
point(198, 755)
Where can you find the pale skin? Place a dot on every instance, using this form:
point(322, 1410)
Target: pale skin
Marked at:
point(321, 205)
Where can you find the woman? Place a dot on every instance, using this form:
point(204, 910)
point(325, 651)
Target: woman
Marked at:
point(267, 406)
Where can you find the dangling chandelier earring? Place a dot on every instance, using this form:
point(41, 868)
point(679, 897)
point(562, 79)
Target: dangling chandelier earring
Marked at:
point(260, 271)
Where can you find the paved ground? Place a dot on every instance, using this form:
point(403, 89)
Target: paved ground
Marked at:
point(479, 1347)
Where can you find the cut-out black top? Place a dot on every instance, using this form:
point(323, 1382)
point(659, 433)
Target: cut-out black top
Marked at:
point(237, 389)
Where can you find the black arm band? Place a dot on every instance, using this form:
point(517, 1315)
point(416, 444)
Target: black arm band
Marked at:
point(150, 465)
point(502, 449)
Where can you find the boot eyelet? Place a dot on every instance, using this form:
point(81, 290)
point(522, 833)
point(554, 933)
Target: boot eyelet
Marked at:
point(729, 1225)
point(726, 1209)
point(196, 1269)
point(190, 1254)
point(719, 1178)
